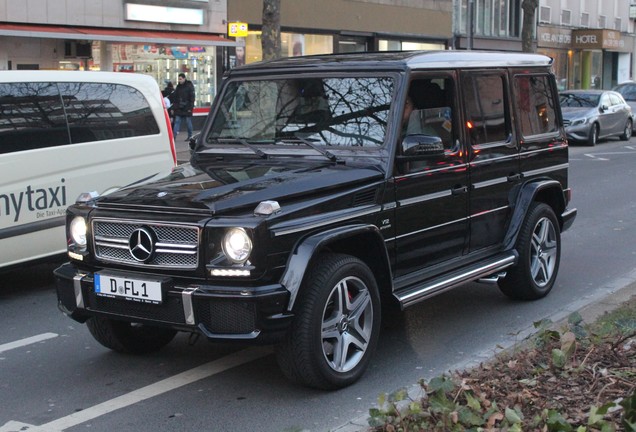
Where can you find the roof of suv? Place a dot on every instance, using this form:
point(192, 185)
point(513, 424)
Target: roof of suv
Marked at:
point(400, 60)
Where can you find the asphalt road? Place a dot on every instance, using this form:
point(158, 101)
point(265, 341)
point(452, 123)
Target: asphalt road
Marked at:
point(54, 376)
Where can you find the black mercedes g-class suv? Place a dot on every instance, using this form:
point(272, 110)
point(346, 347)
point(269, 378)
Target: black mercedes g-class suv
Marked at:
point(322, 189)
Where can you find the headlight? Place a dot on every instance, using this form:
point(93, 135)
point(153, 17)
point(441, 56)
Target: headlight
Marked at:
point(78, 231)
point(237, 245)
point(578, 121)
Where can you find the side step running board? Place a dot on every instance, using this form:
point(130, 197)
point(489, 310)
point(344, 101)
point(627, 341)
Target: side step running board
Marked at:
point(416, 293)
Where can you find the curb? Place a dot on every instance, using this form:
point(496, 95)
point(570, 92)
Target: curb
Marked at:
point(609, 297)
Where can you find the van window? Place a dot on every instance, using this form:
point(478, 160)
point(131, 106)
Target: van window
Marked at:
point(100, 111)
point(486, 108)
point(535, 105)
point(31, 117)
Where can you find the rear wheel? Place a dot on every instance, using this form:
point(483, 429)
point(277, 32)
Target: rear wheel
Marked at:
point(129, 337)
point(539, 247)
point(336, 327)
point(593, 139)
point(627, 133)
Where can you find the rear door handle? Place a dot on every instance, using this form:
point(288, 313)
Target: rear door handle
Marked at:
point(514, 177)
point(458, 190)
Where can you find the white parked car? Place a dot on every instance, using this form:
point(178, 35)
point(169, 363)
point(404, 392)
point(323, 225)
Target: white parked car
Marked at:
point(64, 133)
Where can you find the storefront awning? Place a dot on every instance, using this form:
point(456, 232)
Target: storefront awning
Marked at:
point(114, 35)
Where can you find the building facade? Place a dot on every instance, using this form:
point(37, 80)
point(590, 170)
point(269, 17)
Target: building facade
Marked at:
point(592, 41)
point(337, 26)
point(157, 38)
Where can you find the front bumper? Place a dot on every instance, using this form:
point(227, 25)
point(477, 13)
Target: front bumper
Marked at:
point(579, 132)
point(218, 313)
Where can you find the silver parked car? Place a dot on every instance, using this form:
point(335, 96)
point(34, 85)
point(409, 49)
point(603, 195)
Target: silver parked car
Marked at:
point(627, 89)
point(589, 115)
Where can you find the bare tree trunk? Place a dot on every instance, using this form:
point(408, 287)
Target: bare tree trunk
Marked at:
point(527, 28)
point(270, 38)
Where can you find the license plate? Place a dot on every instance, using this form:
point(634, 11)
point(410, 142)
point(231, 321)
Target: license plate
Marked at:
point(143, 291)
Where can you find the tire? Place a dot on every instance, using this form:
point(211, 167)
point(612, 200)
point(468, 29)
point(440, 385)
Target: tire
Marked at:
point(593, 139)
point(539, 248)
point(627, 133)
point(127, 337)
point(336, 326)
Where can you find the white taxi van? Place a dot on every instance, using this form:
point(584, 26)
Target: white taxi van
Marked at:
point(66, 133)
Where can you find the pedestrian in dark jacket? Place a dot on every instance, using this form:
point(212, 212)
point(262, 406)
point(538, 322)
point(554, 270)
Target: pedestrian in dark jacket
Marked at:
point(182, 104)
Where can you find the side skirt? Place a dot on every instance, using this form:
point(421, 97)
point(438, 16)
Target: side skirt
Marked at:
point(412, 294)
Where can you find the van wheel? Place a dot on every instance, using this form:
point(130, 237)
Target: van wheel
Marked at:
point(539, 247)
point(593, 139)
point(627, 133)
point(336, 326)
point(127, 337)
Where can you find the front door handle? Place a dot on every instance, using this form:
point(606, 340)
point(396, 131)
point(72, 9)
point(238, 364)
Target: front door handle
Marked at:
point(514, 177)
point(458, 190)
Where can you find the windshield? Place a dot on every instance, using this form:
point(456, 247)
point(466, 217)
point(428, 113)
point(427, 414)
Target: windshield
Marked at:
point(579, 99)
point(337, 111)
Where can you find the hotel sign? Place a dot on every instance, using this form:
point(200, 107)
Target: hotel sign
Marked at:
point(610, 40)
point(554, 37)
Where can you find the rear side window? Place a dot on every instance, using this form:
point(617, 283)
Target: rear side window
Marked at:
point(486, 108)
point(535, 104)
point(40, 115)
point(100, 111)
point(31, 117)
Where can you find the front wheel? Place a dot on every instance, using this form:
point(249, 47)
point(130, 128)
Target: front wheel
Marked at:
point(593, 139)
point(336, 327)
point(539, 247)
point(129, 337)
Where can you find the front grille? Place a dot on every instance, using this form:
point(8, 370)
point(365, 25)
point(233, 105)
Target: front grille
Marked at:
point(176, 245)
point(566, 122)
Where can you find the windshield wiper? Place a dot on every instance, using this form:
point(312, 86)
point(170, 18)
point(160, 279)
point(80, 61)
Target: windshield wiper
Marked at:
point(326, 153)
point(245, 143)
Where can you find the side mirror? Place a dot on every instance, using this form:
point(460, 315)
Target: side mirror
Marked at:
point(422, 146)
point(193, 141)
point(604, 108)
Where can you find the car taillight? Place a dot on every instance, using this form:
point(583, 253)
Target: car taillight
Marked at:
point(170, 135)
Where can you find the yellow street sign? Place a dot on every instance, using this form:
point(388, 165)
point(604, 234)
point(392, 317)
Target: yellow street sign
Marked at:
point(237, 29)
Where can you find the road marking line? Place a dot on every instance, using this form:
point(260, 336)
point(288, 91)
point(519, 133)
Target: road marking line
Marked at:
point(27, 341)
point(188, 377)
point(595, 157)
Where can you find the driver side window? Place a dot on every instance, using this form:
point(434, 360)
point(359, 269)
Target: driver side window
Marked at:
point(428, 118)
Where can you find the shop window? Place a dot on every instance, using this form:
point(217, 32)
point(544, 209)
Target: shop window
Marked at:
point(165, 62)
point(292, 44)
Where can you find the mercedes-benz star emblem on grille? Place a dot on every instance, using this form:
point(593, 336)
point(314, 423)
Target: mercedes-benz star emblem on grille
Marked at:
point(141, 244)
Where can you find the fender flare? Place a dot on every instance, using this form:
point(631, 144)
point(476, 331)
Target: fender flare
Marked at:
point(308, 248)
point(525, 198)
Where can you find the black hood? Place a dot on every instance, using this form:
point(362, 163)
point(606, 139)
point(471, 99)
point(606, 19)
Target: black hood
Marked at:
point(229, 187)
